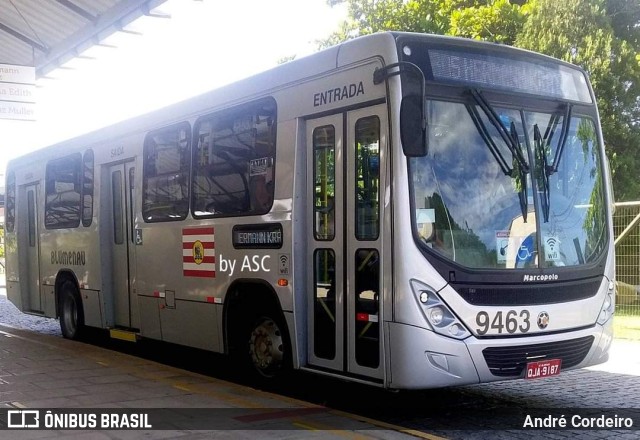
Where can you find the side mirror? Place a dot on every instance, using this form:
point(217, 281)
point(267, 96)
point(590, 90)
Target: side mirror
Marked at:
point(413, 122)
point(413, 130)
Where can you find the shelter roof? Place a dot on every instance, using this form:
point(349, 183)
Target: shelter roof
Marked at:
point(46, 34)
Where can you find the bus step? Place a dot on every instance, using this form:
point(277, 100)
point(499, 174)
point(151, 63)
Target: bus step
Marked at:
point(123, 335)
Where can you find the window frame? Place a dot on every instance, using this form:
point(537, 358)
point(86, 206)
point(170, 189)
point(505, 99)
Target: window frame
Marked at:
point(87, 187)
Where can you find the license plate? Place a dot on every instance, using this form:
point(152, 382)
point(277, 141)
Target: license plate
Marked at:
point(546, 368)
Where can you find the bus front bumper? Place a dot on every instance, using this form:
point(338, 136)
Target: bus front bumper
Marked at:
point(420, 358)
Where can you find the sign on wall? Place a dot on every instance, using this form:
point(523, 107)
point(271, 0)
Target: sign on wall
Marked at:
point(17, 92)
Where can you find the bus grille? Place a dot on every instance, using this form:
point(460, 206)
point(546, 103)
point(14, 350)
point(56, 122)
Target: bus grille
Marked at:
point(511, 361)
point(519, 295)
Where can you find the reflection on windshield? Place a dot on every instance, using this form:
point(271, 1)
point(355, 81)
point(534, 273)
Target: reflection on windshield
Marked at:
point(519, 167)
point(470, 211)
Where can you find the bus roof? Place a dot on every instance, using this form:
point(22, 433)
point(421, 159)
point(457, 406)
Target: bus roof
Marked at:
point(264, 83)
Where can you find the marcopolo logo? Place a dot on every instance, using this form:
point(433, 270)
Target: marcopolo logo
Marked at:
point(540, 277)
point(543, 320)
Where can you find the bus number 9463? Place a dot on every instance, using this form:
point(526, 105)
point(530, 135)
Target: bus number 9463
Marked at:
point(509, 322)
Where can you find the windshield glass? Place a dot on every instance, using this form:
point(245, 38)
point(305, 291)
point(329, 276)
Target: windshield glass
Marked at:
point(478, 202)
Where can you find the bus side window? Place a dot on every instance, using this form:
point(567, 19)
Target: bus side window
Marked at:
point(234, 161)
point(166, 164)
point(63, 192)
point(367, 178)
point(324, 182)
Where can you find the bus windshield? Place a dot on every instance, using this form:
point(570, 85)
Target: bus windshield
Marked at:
point(485, 201)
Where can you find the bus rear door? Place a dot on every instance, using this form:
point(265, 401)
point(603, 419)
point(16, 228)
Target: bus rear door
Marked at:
point(118, 237)
point(31, 248)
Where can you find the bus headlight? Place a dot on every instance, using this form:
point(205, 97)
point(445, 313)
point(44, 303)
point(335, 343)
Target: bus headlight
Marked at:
point(437, 313)
point(608, 306)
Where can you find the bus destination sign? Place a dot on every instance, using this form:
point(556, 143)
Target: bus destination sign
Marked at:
point(265, 236)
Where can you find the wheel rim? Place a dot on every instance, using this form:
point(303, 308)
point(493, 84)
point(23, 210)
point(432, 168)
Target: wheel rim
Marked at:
point(266, 347)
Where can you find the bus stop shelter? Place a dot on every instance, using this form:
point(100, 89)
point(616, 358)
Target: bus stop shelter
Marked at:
point(47, 34)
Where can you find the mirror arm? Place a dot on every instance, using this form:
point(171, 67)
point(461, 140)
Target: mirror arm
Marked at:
point(383, 73)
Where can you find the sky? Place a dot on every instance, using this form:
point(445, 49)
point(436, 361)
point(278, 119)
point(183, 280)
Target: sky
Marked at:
point(205, 44)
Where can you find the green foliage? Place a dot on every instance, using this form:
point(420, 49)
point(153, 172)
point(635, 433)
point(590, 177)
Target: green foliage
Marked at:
point(601, 36)
point(582, 32)
point(371, 16)
point(498, 21)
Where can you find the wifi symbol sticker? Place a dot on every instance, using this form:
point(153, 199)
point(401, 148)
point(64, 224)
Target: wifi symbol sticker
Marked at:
point(552, 248)
point(284, 264)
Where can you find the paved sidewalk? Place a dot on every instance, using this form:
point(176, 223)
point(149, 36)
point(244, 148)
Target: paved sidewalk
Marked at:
point(42, 371)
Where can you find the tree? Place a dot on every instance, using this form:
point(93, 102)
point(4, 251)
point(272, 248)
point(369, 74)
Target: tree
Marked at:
point(492, 20)
point(601, 36)
point(582, 32)
point(371, 16)
point(497, 21)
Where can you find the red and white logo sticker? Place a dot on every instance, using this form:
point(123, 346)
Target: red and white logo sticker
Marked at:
point(198, 253)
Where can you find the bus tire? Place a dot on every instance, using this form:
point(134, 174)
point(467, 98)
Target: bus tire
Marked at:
point(265, 349)
point(70, 311)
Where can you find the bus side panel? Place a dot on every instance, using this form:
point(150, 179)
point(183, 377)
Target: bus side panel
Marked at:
point(11, 258)
point(158, 275)
point(74, 251)
point(13, 294)
point(49, 300)
point(150, 317)
point(191, 323)
point(91, 300)
point(173, 307)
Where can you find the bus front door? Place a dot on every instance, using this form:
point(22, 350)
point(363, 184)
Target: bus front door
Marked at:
point(120, 235)
point(345, 211)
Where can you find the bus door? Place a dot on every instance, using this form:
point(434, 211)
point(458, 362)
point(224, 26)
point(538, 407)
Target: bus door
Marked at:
point(121, 242)
point(33, 250)
point(345, 212)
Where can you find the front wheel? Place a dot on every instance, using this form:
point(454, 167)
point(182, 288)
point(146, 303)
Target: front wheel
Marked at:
point(267, 347)
point(70, 309)
point(263, 351)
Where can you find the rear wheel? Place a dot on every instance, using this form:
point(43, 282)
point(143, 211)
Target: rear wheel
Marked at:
point(70, 309)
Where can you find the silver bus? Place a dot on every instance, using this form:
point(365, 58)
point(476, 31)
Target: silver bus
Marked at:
point(404, 210)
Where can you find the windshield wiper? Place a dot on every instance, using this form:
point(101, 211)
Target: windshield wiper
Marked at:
point(542, 169)
point(519, 168)
point(541, 145)
point(522, 175)
point(564, 134)
point(512, 144)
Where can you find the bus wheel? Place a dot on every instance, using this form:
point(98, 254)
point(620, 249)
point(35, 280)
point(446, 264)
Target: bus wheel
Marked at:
point(268, 348)
point(71, 316)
